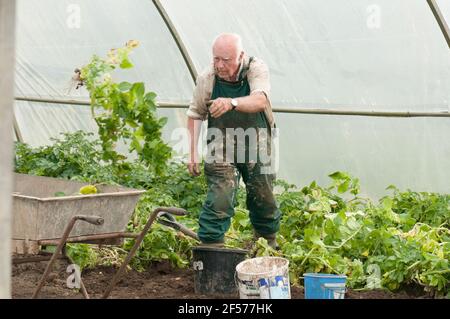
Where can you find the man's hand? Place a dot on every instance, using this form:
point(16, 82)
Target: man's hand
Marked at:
point(194, 169)
point(220, 106)
point(194, 166)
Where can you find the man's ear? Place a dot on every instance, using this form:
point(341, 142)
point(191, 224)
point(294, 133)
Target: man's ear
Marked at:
point(241, 57)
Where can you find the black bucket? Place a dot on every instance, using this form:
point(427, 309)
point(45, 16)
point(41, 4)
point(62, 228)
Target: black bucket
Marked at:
point(215, 269)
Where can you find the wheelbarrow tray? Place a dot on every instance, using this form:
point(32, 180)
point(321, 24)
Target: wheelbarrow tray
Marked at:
point(39, 215)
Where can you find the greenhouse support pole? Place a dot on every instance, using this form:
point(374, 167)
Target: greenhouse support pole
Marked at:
point(440, 19)
point(291, 109)
point(7, 32)
point(17, 132)
point(176, 36)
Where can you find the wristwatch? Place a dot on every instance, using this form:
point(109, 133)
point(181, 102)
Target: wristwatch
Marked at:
point(234, 104)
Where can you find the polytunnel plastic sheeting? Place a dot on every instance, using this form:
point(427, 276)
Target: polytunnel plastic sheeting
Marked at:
point(39, 122)
point(444, 6)
point(352, 54)
point(411, 153)
point(55, 37)
point(174, 132)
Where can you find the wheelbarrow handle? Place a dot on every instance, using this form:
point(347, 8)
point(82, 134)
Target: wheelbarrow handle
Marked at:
point(95, 220)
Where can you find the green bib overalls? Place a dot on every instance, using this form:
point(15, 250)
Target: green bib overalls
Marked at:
point(223, 177)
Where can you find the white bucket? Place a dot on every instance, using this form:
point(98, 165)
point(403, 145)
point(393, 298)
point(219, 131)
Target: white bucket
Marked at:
point(263, 278)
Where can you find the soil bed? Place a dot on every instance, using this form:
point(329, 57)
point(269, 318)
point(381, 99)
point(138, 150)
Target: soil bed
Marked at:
point(160, 281)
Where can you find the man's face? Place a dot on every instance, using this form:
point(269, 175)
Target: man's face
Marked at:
point(226, 60)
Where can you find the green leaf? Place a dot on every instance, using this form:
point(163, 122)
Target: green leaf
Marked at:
point(150, 97)
point(338, 175)
point(151, 106)
point(124, 86)
point(126, 64)
point(353, 224)
point(387, 203)
point(131, 123)
point(163, 121)
point(138, 89)
point(342, 188)
point(393, 187)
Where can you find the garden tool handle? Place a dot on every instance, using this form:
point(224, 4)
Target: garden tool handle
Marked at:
point(168, 220)
point(167, 216)
point(95, 220)
point(174, 210)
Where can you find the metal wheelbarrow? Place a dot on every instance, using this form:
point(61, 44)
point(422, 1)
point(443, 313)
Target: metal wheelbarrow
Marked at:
point(164, 213)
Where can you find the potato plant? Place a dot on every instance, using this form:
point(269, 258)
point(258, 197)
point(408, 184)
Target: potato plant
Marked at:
point(404, 237)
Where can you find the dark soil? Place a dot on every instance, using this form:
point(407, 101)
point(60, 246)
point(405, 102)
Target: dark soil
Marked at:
point(160, 281)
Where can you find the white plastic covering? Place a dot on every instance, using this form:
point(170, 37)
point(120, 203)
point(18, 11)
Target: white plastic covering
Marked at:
point(56, 36)
point(52, 118)
point(383, 55)
point(52, 42)
point(351, 54)
point(444, 6)
point(409, 153)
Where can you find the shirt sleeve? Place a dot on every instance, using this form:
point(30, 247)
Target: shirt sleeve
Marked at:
point(258, 77)
point(197, 107)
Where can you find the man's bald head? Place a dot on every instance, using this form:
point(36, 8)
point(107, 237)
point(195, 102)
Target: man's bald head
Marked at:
point(231, 41)
point(228, 54)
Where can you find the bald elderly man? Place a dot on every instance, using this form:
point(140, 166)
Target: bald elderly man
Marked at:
point(232, 94)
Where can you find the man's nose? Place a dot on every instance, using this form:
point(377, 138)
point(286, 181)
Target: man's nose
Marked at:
point(220, 64)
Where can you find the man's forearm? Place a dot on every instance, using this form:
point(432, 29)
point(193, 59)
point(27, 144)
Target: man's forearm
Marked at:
point(253, 103)
point(194, 128)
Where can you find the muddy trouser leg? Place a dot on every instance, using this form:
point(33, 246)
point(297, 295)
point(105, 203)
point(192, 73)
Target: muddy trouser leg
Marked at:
point(264, 211)
point(218, 208)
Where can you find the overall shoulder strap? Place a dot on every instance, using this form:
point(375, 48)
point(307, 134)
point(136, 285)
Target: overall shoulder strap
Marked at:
point(246, 68)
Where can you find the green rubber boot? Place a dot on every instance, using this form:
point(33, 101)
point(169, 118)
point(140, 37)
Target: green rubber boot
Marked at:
point(271, 239)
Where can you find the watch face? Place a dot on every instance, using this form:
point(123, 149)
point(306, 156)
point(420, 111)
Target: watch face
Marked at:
point(234, 103)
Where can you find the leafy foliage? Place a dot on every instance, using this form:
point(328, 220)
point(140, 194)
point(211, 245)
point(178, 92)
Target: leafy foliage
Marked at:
point(74, 155)
point(82, 255)
point(404, 237)
point(125, 111)
point(324, 233)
